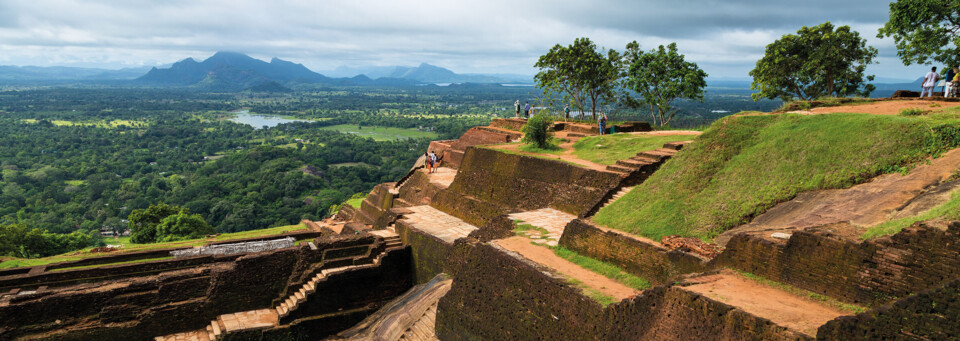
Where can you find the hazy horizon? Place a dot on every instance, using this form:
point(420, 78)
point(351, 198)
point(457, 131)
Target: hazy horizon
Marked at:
point(725, 39)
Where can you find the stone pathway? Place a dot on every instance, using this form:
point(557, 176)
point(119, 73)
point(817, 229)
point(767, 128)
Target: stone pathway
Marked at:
point(549, 219)
point(442, 176)
point(437, 223)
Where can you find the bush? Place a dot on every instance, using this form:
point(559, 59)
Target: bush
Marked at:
point(536, 130)
point(912, 112)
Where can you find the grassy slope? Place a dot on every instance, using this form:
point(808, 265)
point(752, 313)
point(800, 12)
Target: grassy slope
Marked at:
point(743, 166)
point(129, 247)
point(948, 210)
point(607, 149)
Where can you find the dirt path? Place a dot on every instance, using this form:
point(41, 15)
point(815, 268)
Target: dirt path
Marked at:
point(883, 198)
point(883, 107)
point(544, 256)
point(781, 307)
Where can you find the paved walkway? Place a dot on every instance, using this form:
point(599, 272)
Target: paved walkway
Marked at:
point(549, 219)
point(437, 223)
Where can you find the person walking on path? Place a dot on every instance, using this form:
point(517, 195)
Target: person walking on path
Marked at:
point(929, 81)
point(949, 85)
point(517, 106)
point(433, 161)
point(566, 112)
point(526, 110)
point(602, 122)
point(428, 162)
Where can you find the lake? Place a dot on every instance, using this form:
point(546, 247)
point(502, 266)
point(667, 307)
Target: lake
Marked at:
point(259, 121)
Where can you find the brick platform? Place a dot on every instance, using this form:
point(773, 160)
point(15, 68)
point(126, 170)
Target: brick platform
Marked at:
point(548, 219)
point(437, 223)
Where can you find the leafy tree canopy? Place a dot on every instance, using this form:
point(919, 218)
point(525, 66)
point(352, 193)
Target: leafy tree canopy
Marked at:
point(143, 222)
point(580, 71)
point(182, 225)
point(925, 30)
point(536, 130)
point(659, 77)
point(816, 62)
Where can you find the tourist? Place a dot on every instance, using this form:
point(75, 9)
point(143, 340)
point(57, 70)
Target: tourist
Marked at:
point(929, 81)
point(955, 90)
point(948, 86)
point(516, 106)
point(602, 122)
point(433, 161)
point(428, 162)
point(566, 112)
point(526, 110)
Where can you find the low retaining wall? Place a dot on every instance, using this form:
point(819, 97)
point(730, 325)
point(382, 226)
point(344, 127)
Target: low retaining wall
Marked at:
point(430, 255)
point(418, 190)
point(652, 262)
point(928, 315)
point(870, 273)
point(497, 296)
point(514, 124)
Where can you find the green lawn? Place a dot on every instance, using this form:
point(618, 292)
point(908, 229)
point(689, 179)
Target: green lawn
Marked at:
point(130, 247)
point(607, 149)
point(948, 210)
point(356, 202)
point(605, 269)
point(744, 165)
point(382, 133)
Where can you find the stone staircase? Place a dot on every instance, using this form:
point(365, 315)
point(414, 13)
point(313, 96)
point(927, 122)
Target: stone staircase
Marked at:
point(269, 318)
point(623, 191)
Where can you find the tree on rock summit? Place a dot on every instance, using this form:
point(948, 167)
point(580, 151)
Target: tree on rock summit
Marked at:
point(659, 77)
point(580, 71)
point(816, 62)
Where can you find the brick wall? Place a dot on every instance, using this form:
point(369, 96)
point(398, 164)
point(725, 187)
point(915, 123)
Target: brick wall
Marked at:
point(652, 262)
point(870, 273)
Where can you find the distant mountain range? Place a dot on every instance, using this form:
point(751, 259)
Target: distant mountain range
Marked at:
point(426, 73)
point(66, 73)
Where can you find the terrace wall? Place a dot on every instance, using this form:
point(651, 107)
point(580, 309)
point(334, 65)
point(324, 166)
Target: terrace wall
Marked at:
point(870, 273)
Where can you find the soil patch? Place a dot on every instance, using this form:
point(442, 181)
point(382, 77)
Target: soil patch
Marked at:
point(781, 307)
point(884, 107)
point(545, 256)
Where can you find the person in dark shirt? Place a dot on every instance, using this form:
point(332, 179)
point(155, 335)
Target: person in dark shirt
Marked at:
point(948, 85)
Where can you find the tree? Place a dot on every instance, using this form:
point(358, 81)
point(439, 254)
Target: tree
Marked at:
point(925, 29)
point(143, 223)
point(659, 77)
point(580, 71)
point(816, 62)
point(182, 225)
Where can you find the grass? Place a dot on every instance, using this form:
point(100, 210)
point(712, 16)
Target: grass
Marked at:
point(117, 263)
point(350, 164)
point(101, 123)
point(127, 246)
point(75, 182)
point(607, 149)
point(356, 202)
point(821, 102)
point(382, 133)
point(744, 165)
point(846, 307)
point(537, 155)
point(603, 268)
point(948, 210)
point(592, 293)
point(521, 229)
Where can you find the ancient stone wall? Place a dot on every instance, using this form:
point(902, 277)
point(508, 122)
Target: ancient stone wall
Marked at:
point(870, 273)
point(497, 296)
point(375, 204)
point(514, 124)
point(232, 248)
point(430, 255)
point(418, 190)
point(522, 183)
point(179, 299)
point(652, 262)
point(928, 315)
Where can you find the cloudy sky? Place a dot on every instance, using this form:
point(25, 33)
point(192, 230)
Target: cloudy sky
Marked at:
point(725, 37)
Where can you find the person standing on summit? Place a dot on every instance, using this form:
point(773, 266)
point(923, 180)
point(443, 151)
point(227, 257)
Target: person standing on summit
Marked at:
point(516, 105)
point(526, 110)
point(929, 81)
point(948, 85)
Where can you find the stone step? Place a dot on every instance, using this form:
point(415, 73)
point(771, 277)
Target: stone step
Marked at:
point(676, 145)
point(281, 312)
point(656, 155)
point(620, 169)
point(210, 335)
point(634, 164)
point(215, 327)
point(644, 159)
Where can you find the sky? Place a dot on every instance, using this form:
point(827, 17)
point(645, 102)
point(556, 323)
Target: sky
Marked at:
point(724, 37)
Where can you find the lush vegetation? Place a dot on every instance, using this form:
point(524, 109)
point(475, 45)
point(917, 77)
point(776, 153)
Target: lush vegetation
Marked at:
point(536, 131)
point(17, 240)
point(382, 133)
point(816, 62)
point(659, 77)
point(165, 223)
point(607, 149)
point(744, 165)
point(925, 30)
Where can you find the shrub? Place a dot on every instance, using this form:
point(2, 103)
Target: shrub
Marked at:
point(536, 130)
point(912, 112)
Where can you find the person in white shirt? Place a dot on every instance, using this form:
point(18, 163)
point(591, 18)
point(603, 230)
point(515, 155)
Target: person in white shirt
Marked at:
point(929, 81)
